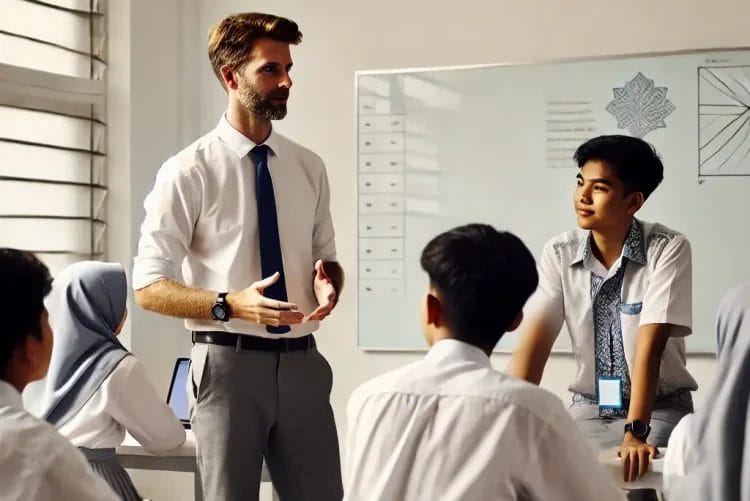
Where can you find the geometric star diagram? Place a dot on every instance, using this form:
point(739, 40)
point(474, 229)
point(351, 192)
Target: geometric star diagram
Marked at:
point(640, 107)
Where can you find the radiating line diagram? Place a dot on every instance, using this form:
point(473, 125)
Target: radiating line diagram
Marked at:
point(724, 120)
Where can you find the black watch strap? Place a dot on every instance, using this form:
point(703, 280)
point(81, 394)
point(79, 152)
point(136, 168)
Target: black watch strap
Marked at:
point(638, 428)
point(220, 308)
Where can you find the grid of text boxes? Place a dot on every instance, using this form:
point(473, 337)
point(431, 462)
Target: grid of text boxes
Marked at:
point(381, 195)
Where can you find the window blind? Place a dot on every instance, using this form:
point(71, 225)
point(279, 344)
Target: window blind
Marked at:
point(53, 152)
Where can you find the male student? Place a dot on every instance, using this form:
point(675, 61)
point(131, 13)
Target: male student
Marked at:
point(36, 462)
point(623, 288)
point(449, 426)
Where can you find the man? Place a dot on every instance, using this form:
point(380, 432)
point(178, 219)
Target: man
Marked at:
point(244, 212)
point(623, 288)
point(449, 426)
point(36, 462)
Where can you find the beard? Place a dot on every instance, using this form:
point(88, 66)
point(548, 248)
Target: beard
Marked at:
point(260, 105)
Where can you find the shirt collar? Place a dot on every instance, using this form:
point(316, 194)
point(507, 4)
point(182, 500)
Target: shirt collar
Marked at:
point(634, 247)
point(9, 396)
point(241, 144)
point(453, 349)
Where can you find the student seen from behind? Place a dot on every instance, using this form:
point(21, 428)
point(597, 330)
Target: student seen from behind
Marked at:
point(451, 427)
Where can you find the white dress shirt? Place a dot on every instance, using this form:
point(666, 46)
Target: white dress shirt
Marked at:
point(201, 223)
point(658, 291)
point(126, 400)
point(450, 427)
point(39, 464)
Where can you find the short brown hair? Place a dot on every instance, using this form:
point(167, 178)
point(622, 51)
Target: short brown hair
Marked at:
point(231, 39)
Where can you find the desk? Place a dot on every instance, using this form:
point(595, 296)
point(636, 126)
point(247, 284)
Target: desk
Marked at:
point(132, 455)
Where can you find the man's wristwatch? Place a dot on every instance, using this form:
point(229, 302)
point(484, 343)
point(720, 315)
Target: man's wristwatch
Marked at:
point(220, 309)
point(638, 428)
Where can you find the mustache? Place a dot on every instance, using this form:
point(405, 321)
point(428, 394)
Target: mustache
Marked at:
point(279, 94)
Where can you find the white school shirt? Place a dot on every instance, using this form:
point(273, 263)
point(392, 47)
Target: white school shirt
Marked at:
point(656, 292)
point(39, 464)
point(201, 224)
point(681, 455)
point(126, 400)
point(450, 427)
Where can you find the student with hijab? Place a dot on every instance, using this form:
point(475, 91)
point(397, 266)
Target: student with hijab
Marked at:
point(711, 448)
point(95, 389)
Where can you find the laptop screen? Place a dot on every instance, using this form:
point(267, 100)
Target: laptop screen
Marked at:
point(177, 397)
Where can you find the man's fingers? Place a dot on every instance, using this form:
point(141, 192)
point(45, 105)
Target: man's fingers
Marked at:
point(320, 312)
point(290, 317)
point(266, 282)
point(643, 457)
point(270, 316)
point(320, 270)
point(315, 315)
point(625, 465)
point(275, 304)
point(633, 470)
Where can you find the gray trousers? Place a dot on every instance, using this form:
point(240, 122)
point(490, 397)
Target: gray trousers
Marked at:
point(602, 432)
point(250, 405)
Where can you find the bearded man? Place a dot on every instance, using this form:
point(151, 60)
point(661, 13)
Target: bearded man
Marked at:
point(238, 241)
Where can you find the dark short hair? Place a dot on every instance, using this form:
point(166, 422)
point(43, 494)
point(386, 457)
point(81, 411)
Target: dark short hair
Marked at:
point(24, 282)
point(633, 160)
point(484, 278)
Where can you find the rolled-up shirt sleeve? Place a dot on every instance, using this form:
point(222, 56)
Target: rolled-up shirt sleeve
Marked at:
point(172, 209)
point(324, 243)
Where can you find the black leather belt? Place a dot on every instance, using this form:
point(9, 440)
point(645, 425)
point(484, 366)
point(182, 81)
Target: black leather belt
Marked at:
point(250, 342)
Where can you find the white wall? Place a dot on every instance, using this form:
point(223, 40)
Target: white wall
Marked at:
point(174, 95)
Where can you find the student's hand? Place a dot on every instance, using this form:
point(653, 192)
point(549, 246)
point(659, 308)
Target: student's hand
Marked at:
point(251, 305)
point(635, 454)
point(325, 293)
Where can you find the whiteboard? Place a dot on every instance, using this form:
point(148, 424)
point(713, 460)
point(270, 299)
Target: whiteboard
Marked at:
point(442, 147)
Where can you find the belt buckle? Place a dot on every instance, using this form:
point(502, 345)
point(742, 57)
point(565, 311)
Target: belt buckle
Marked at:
point(286, 343)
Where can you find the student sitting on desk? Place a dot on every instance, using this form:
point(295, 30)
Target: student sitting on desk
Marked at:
point(711, 448)
point(623, 288)
point(95, 389)
point(36, 462)
point(449, 426)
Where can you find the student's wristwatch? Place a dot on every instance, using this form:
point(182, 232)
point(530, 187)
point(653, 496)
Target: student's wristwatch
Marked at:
point(638, 428)
point(220, 309)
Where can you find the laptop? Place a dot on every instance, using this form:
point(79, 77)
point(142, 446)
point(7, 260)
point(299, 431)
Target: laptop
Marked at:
point(177, 397)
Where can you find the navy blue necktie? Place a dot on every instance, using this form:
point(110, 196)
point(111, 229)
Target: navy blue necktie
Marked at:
point(268, 231)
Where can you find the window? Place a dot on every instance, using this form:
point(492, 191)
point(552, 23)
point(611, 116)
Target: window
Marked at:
point(53, 129)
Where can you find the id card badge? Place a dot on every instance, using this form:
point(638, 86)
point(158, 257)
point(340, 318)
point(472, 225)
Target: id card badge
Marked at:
point(609, 392)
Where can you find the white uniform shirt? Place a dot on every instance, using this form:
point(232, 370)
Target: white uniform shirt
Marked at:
point(681, 456)
point(126, 400)
point(450, 427)
point(202, 219)
point(39, 464)
point(657, 292)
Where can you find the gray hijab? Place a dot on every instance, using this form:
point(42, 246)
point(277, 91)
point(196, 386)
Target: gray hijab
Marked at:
point(86, 305)
point(722, 430)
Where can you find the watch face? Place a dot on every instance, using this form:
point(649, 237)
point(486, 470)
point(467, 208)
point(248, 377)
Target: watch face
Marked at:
point(640, 428)
point(219, 312)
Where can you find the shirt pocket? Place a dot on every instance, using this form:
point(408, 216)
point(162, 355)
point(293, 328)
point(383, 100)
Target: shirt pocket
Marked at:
point(631, 308)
